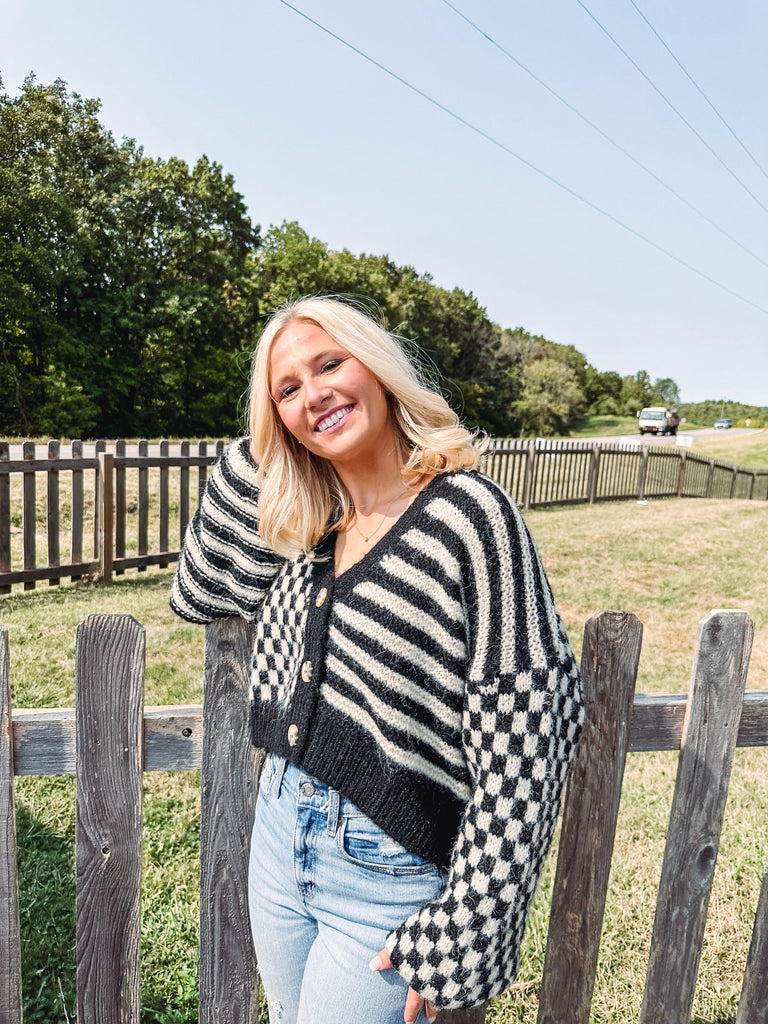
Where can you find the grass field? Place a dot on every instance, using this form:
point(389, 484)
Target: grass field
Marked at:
point(670, 562)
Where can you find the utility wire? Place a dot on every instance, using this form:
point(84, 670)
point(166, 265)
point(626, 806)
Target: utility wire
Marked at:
point(521, 159)
point(671, 105)
point(700, 91)
point(604, 135)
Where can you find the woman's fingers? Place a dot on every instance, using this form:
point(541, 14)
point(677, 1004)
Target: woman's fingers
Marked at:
point(413, 1001)
point(381, 961)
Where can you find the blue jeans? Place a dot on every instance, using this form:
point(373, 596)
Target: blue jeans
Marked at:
point(326, 887)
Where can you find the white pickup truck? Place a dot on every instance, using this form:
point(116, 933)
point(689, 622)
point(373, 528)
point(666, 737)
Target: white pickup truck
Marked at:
point(658, 420)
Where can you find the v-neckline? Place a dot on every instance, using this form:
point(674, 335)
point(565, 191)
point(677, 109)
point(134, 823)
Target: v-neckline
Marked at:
point(348, 577)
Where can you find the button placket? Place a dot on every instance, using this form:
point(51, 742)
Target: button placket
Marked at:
point(305, 694)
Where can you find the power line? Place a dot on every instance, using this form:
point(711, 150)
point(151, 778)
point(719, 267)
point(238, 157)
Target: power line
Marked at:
point(700, 91)
point(670, 104)
point(604, 135)
point(527, 163)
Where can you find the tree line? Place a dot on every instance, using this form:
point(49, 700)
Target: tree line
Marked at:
point(133, 290)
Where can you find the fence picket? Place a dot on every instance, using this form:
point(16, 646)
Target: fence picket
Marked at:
point(709, 737)
point(143, 538)
point(76, 550)
point(52, 510)
point(753, 1005)
point(29, 513)
point(5, 518)
point(610, 658)
point(10, 946)
point(109, 681)
point(229, 988)
point(121, 505)
point(163, 503)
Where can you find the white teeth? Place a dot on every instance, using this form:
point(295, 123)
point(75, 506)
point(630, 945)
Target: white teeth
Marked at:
point(329, 421)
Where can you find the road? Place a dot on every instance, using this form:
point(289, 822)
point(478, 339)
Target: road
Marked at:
point(704, 434)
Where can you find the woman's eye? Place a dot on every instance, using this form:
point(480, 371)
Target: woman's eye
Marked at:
point(331, 365)
point(287, 392)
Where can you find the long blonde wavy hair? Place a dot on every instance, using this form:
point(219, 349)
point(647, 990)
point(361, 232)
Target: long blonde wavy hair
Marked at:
point(301, 495)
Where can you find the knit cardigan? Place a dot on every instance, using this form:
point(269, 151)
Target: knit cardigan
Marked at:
point(432, 684)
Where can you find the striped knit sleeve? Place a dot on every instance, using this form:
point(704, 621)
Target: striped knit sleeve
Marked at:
point(225, 567)
point(521, 719)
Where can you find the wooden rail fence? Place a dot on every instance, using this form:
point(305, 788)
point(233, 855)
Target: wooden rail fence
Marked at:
point(109, 739)
point(109, 492)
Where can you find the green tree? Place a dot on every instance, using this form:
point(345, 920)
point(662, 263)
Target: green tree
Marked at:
point(551, 400)
point(126, 302)
point(666, 391)
point(636, 393)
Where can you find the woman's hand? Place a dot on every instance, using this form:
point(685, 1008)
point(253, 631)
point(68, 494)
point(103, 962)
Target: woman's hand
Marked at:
point(413, 1001)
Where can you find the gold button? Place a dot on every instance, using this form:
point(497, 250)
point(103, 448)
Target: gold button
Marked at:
point(293, 735)
point(320, 599)
point(306, 671)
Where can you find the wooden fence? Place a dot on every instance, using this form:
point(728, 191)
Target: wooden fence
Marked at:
point(109, 738)
point(110, 495)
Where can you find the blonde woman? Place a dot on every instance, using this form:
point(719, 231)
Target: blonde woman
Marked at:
point(413, 685)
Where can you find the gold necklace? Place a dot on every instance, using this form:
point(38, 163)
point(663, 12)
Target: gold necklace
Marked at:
point(383, 518)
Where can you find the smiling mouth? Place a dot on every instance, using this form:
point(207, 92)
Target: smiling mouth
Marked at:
point(333, 418)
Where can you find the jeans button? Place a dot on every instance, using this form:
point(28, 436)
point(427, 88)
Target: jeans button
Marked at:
point(307, 789)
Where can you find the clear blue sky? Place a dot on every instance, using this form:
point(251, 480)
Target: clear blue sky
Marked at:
point(312, 132)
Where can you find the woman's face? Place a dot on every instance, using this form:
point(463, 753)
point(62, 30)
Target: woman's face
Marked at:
point(326, 398)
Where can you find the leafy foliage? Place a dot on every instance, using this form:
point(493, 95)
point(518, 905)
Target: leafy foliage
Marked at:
point(123, 292)
point(131, 292)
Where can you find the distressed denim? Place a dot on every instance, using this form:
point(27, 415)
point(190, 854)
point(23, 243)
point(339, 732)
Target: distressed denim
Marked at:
point(326, 886)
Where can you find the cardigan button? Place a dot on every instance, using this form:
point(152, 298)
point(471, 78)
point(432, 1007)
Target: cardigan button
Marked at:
point(321, 596)
point(306, 671)
point(293, 735)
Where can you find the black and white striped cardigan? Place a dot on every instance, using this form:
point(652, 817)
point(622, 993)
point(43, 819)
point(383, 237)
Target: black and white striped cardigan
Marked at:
point(432, 683)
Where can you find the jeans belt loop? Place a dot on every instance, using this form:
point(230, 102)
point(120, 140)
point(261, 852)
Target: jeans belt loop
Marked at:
point(334, 803)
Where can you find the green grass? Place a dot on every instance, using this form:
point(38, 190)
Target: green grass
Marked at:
point(605, 426)
point(670, 562)
point(749, 450)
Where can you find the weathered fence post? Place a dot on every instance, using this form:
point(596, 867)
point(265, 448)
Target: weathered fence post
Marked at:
point(229, 987)
point(594, 476)
point(609, 663)
point(642, 473)
point(753, 1005)
point(76, 551)
point(106, 516)
point(5, 517)
point(52, 509)
point(681, 473)
point(121, 504)
point(29, 512)
point(529, 482)
point(710, 479)
point(99, 447)
point(164, 505)
point(710, 730)
point(109, 681)
point(10, 956)
point(183, 492)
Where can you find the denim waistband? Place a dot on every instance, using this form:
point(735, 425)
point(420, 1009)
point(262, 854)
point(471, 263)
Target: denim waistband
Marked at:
point(287, 780)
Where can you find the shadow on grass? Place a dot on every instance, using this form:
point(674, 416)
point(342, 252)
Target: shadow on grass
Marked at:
point(84, 591)
point(46, 868)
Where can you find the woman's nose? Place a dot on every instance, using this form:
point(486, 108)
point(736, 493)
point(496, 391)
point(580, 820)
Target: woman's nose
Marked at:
point(315, 392)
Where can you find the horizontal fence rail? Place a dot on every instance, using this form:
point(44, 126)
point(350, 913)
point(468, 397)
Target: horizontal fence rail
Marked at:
point(109, 739)
point(100, 511)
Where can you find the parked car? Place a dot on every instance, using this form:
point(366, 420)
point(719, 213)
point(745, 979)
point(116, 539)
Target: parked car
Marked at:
point(723, 424)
